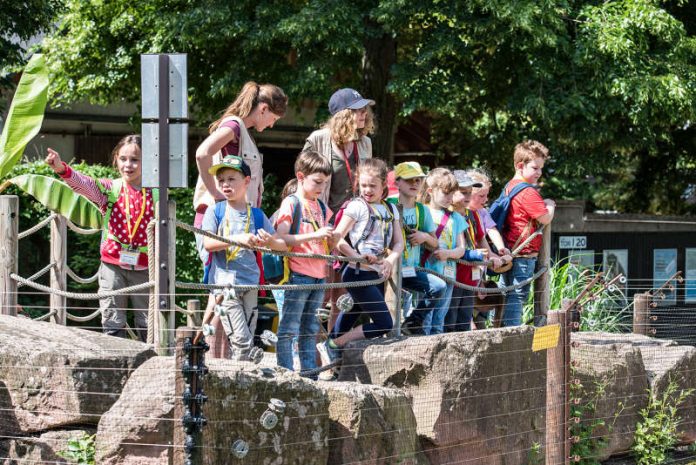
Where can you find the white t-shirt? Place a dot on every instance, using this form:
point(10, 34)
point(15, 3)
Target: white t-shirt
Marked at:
point(380, 236)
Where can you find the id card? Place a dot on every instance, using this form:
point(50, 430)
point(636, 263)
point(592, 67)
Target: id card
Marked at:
point(475, 273)
point(128, 257)
point(450, 271)
point(225, 277)
point(408, 271)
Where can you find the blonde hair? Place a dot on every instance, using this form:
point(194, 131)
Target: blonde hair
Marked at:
point(289, 188)
point(439, 178)
point(529, 150)
point(251, 95)
point(479, 175)
point(342, 126)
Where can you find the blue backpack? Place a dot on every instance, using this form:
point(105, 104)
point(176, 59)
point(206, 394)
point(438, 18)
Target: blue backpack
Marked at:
point(499, 209)
point(256, 214)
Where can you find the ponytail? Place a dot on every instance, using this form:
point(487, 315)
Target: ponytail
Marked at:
point(251, 95)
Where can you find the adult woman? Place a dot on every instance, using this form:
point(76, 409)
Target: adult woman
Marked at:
point(344, 141)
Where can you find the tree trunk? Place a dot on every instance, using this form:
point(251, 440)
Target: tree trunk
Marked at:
point(380, 55)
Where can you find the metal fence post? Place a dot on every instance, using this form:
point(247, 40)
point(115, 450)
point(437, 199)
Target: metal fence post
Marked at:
point(59, 247)
point(9, 229)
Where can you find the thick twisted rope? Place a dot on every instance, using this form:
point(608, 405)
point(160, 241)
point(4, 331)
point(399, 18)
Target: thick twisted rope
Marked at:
point(151, 277)
point(46, 316)
point(80, 230)
point(82, 319)
point(39, 273)
point(277, 287)
point(483, 290)
point(82, 296)
point(77, 278)
point(514, 253)
point(331, 258)
point(36, 227)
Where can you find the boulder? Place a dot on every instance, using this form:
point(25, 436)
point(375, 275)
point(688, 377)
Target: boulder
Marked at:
point(478, 397)
point(56, 376)
point(611, 371)
point(42, 449)
point(138, 428)
point(371, 425)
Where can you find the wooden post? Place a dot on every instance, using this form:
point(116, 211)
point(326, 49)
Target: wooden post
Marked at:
point(641, 313)
point(9, 229)
point(59, 247)
point(179, 436)
point(542, 286)
point(558, 393)
point(194, 320)
point(392, 296)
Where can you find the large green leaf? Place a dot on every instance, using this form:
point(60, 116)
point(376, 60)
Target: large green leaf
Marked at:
point(26, 113)
point(60, 198)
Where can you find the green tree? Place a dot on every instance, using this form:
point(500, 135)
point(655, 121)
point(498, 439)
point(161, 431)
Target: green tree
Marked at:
point(609, 86)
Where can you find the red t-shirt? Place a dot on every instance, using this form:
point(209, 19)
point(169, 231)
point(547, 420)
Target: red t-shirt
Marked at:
point(464, 271)
point(524, 207)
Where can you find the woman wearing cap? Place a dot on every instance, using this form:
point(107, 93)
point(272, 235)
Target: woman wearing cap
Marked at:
point(344, 141)
point(257, 106)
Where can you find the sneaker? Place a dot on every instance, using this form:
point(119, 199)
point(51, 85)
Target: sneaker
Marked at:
point(323, 354)
point(333, 354)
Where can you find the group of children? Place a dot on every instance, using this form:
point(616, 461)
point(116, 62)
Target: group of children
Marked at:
point(435, 219)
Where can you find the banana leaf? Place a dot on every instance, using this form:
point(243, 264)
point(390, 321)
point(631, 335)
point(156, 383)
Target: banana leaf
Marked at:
point(26, 113)
point(60, 198)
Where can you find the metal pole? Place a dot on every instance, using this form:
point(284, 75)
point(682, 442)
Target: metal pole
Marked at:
point(9, 229)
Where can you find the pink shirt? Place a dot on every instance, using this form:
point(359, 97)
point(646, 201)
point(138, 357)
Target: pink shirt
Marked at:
point(312, 219)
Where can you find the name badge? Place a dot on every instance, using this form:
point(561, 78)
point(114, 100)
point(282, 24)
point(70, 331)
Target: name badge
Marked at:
point(475, 273)
point(450, 271)
point(225, 277)
point(128, 257)
point(408, 272)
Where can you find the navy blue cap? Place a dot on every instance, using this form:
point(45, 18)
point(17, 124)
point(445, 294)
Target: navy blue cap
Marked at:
point(347, 98)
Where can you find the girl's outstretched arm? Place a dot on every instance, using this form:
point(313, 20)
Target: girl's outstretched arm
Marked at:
point(80, 183)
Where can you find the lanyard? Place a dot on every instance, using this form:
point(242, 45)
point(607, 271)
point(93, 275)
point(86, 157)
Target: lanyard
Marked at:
point(355, 158)
point(310, 215)
point(131, 233)
point(227, 230)
point(407, 246)
point(471, 219)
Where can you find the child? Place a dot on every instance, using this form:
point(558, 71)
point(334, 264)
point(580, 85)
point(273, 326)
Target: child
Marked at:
point(479, 198)
point(370, 224)
point(303, 224)
point(526, 210)
point(461, 310)
point(128, 209)
point(418, 228)
point(437, 192)
point(236, 220)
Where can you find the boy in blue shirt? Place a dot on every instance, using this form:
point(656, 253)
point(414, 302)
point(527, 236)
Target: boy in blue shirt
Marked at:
point(418, 229)
point(236, 220)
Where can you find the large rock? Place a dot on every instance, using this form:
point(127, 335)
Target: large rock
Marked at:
point(611, 371)
point(56, 376)
point(478, 397)
point(238, 395)
point(45, 448)
point(371, 425)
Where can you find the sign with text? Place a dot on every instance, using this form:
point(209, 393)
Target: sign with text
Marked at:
point(572, 242)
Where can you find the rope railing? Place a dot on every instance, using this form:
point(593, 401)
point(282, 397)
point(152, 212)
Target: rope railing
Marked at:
point(37, 226)
point(82, 296)
point(79, 230)
point(79, 279)
point(39, 273)
point(46, 316)
point(484, 290)
point(278, 287)
point(82, 319)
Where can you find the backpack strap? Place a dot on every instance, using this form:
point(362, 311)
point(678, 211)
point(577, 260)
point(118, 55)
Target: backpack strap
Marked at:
point(258, 216)
point(517, 189)
point(438, 232)
point(420, 209)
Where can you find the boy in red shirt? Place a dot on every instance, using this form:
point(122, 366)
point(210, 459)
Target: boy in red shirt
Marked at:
point(527, 210)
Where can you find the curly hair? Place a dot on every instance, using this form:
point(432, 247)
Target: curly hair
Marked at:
point(439, 178)
point(530, 150)
point(479, 175)
point(342, 126)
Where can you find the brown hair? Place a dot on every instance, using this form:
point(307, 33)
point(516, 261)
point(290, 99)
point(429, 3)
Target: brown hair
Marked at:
point(375, 166)
point(439, 178)
point(289, 188)
point(130, 139)
point(310, 162)
point(342, 126)
point(251, 95)
point(529, 150)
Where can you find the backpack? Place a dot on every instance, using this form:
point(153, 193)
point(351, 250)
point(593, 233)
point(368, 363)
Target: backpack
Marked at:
point(276, 269)
point(256, 214)
point(499, 209)
point(112, 196)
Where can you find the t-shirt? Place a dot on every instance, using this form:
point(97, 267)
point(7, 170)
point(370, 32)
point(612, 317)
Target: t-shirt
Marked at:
point(448, 238)
point(342, 178)
point(232, 147)
point(381, 234)
point(312, 219)
point(475, 227)
point(244, 262)
point(486, 219)
point(524, 207)
point(412, 254)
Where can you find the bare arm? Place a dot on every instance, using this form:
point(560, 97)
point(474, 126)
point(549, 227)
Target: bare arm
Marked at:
point(204, 157)
point(550, 209)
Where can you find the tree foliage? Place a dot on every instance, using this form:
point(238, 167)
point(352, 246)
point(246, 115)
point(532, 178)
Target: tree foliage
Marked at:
point(609, 86)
